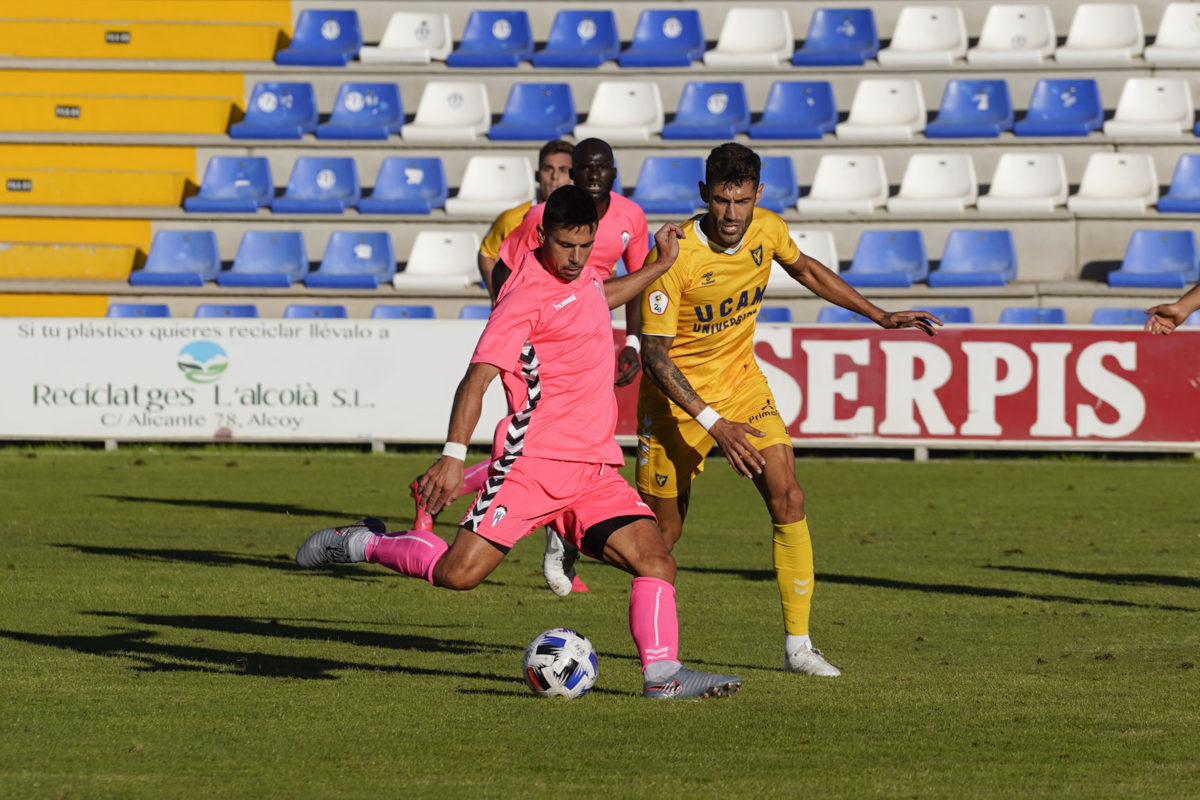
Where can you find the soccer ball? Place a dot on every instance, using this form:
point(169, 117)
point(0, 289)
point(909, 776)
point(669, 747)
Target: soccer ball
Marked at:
point(560, 663)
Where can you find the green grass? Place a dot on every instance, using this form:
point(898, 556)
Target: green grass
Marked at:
point(1023, 628)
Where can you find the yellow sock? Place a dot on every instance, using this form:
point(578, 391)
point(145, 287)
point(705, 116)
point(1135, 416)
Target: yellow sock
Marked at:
point(793, 557)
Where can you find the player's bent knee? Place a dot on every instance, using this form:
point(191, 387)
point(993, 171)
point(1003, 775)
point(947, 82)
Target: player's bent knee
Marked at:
point(788, 506)
point(659, 565)
point(458, 579)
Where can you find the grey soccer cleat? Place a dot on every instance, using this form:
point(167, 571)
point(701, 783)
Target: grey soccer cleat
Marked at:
point(810, 661)
point(686, 683)
point(333, 545)
point(558, 564)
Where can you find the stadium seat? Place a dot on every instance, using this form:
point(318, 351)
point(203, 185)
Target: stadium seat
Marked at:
point(450, 111)
point(774, 314)
point(623, 112)
point(669, 184)
point(816, 243)
point(1062, 107)
point(951, 314)
point(926, 36)
point(407, 185)
point(267, 258)
point(233, 184)
point(580, 39)
point(1025, 183)
point(884, 109)
point(1116, 183)
point(278, 111)
point(320, 186)
point(1183, 196)
point(778, 178)
point(138, 310)
point(179, 258)
point(1153, 107)
point(1019, 315)
point(710, 110)
point(402, 312)
point(364, 111)
point(354, 261)
point(307, 311)
point(1177, 43)
point(752, 37)
point(936, 183)
point(846, 184)
point(1014, 35)
point(836, 314)
point(888, 258)
point(536, 111)
point(494, 39)
point(1103, 34)
point(492, 184)
point(323, 38)
point(232, 310)
point(838, 37)
point(1119, 316)
point(797, 110)
point(665, 38)
point(411, 37)
point(474, 311)
point(1158, 259)
point(976, 258)
point(440, 259)
point(972, 109)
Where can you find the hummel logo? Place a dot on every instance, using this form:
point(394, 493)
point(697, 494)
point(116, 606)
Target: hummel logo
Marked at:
point(564, 303)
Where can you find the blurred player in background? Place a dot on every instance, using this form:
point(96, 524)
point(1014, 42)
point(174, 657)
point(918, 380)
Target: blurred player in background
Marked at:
point(1167, 317)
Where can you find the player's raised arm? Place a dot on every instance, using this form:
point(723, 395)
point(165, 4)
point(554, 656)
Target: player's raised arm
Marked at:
point(619, 291)
point(442, 482)
point(1167, 317)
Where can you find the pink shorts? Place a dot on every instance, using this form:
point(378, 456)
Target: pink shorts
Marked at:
point(584, 502)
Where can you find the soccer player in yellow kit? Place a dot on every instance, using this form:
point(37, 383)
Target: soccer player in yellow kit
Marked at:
point(705, 385)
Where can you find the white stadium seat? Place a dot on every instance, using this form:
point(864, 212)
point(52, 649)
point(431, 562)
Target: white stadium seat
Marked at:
point(816, 243)
point(1178, 41)
point(1103, 34)
point(441, 260)
point(1024, 183)
point(623, 112)
point(884, 109)
point(1153, 107)
point(492, 184)
point(1116, 183)
point(846, 184)
point(926, 36)
point(753, 37)
point(450, 111)
point(1014, 35)
point(411, 38)
point(936, 183)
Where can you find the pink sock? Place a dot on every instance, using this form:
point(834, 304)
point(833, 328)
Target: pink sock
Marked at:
point(652, 620)
point(411, 553)
point(475, 477)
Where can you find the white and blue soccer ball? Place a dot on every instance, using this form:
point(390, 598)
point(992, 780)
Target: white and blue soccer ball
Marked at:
point(560, 663)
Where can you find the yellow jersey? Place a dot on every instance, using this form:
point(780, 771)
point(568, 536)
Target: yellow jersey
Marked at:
point(505, 224)
point(709, 302)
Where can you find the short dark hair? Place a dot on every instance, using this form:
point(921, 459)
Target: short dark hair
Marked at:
point(569, 207)
point(731, 163)
point(593, 144)
point(554, 146)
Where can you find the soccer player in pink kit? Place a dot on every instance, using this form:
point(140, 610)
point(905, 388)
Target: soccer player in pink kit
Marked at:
point(550, 340)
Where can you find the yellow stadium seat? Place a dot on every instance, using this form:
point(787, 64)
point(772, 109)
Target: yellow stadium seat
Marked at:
point(246, 11)
point(66, 261)
point(95, 175)
point(140, 40)
point(53, 305)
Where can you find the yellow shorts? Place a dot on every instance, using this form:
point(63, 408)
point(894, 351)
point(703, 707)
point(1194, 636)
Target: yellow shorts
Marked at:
point(671, 452)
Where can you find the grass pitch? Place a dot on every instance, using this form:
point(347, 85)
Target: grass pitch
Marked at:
point(1023, 628)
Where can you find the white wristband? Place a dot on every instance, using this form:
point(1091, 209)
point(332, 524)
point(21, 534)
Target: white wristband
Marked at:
point(707, 418)
point(455, 450)
point(634, 341)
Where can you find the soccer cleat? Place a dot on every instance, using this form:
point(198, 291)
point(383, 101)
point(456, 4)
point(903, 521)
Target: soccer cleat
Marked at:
point(558, 565)
point(423, 520)
point(331, 545)
point(686, 683)
point(810, 661)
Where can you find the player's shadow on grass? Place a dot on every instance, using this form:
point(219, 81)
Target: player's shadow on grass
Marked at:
point(221, 558)
point(225, 504)
point(1118, 578)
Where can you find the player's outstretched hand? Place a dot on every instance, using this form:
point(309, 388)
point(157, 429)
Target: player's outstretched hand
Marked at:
point(440, 484)
point(742, 456)
point(1164, 319)
point(922, 320)
point(628, 365)
point(667, 241)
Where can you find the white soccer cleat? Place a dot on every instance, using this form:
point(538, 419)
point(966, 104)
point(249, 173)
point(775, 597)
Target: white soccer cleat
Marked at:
point(558, 564)
point(810, 661)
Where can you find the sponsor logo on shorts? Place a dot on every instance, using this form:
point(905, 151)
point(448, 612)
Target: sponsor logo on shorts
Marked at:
point(661, 480)
point(498, 515)
point(756, 254)
point(768, 410)
point(658, 303)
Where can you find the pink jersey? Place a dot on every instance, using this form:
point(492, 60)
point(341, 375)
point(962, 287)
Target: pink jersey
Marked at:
point(621, 234)
point(552, 340)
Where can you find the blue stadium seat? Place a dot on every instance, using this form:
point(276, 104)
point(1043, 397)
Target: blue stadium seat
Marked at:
point(839, 314)
point(774, 314)
point(888, 258)
point(669, 184)
point(580, 39)
point(1158, 259)
point(972, 109)
point(320, 185)
point(235, 185)
point(710, 110)
point(323, 38)
point(306, 311)
point(267, 258)
point(976, 258)
point(1119, 316)
point(407, 185)
point(138, 310)
point(797, 110)
point(278, 111)
point(217, 310)
point(354, 261)
point(951, 314)
point(179, 258)
point(1062, 107)
point(1184, 194)
point(1017, 315)
point(778, 178)
point(364, 111)
point(665, 38)
point(536, 111)
point(475, 312)
point(494, 39)
point(402, 312)
point(838, 37)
